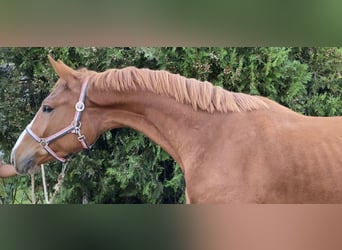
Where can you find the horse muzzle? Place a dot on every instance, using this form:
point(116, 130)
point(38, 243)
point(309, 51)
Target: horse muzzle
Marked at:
point(25, 166)
point(23, 156)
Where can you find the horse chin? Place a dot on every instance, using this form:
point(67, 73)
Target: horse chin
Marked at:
point(28, 171)
point(33, 170)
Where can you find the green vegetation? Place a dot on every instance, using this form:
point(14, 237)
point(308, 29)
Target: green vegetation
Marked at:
point(125, 166)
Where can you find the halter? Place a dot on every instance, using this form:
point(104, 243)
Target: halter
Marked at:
point(74, 127)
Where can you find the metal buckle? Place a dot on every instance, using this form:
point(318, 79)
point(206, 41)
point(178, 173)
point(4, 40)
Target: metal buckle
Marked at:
point(81, 138)
point(77, 128)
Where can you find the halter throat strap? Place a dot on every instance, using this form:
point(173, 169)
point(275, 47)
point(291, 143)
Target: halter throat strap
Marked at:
point(74, 127)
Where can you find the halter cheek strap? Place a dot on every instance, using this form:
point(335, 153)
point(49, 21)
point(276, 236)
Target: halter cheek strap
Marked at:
point(74, 127)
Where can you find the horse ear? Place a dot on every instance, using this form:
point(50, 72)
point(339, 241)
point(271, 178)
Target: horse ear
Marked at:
point(61, 69)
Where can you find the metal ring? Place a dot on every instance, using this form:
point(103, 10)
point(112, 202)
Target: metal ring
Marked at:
point(79, 106)
point(43, 142)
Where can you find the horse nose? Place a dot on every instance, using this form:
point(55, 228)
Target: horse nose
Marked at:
point(23, 166)
point(22, 156)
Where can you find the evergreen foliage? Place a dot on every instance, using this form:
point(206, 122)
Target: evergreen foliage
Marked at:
point(125, 166)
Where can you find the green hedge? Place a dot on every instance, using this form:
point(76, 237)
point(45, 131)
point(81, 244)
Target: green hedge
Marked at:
point(125, 166)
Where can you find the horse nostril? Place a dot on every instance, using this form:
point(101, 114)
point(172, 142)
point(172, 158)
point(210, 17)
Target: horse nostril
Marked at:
point(25, 165)
point(30, 164)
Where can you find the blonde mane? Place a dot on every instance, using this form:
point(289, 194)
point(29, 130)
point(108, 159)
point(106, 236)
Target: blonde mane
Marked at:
point(198, 94)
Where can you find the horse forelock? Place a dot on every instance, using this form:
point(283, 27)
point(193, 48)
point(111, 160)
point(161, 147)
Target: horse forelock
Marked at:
point(199, 94)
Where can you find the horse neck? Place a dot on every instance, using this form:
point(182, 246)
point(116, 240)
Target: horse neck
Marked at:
point(168, 123)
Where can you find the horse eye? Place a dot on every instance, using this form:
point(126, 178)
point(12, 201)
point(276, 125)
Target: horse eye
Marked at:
point(47, 109)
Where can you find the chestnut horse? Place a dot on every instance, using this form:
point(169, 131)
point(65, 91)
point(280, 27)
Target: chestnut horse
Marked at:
point(232, 147)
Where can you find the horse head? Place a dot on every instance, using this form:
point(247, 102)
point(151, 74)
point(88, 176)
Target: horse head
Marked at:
point(62, 124)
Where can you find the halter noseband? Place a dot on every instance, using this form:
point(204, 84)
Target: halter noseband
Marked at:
point(74, 127)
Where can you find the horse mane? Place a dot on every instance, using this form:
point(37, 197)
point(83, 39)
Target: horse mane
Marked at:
point(199, 94)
